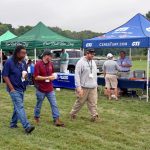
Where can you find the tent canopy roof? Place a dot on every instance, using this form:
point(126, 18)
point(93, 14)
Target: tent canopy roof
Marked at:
point(7, 35)
point(134, 33)
point(41, 36)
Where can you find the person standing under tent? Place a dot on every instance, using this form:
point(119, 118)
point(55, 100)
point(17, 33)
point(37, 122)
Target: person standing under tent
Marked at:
point(30, 69)
point(15, 74)
point(110, 69)
point(125, 65)
point(64, 60)
point(86, 85)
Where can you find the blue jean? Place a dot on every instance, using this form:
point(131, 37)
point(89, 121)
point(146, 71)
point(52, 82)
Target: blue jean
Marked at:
point(52, 100)
point(19, 111)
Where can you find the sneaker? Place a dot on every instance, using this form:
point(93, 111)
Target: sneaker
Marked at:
point(109, 98)
point(14, 126)
point(58, 123)
point(29, 129)
point(94, 118)
point(116, 98)
point(37, 119)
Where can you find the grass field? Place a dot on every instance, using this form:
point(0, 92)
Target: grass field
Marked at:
point(123, 125)
point(137, 65)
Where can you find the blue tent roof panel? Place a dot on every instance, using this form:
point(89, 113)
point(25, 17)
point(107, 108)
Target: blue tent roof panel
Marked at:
point(134, 33)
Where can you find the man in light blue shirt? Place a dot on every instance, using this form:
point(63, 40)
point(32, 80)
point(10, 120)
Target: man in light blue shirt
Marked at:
point(125, 65)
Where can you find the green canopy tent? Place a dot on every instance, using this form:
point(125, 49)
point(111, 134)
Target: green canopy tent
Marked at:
point(6, 36)
point(41, 37)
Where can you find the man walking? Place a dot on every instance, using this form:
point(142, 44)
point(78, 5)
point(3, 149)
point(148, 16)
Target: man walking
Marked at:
point(44, 75)
point(86, 85)
point(15, 74)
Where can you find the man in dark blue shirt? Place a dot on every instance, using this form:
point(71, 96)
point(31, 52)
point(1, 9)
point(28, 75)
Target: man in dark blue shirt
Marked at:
point(15, 74)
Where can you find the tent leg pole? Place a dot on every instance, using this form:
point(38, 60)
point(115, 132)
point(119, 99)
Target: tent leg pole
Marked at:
point(147, 82)
point(1, 64)
point(35, 55)
point(130, 54)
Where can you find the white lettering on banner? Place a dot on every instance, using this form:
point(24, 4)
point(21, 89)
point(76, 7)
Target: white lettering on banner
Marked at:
point(123, 44)
point(113, 44)
point(17, 43)
point(137, 43)
point(59, 43)
point(122, 29)
point(88, 44)
point(63, 77)
point(148, 29)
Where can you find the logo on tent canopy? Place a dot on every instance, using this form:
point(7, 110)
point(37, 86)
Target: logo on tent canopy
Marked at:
point(123, 29)
point(88, 44)
point(148, 29)
point(137, 43)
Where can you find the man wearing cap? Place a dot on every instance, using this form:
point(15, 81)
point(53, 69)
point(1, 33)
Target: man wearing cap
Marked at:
point(110, 69)
point(44, 75)
point(86, 85)
point(125, 65)
point(64, 59)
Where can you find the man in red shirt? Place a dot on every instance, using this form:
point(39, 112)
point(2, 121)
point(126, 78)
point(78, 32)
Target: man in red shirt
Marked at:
point(44, 75)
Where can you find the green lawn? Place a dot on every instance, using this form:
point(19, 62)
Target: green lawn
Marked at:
point(139, 65)
point(124, 125)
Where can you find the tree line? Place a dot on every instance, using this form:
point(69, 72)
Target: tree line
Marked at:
point(67, 33)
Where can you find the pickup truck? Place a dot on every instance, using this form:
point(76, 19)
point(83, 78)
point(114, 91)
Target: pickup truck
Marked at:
point(74, 56)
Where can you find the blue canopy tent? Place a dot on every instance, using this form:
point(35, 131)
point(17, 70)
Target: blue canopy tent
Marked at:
point(133, 34)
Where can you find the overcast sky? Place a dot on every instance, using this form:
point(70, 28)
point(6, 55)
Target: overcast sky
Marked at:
point(75, 15)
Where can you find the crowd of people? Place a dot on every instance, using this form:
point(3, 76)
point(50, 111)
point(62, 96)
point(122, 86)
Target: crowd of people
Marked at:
point(16, 72)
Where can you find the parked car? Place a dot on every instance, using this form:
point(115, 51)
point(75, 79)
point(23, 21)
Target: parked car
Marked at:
point(74, 56)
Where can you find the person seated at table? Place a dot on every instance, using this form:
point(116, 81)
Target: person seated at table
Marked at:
point(125, 65)
point(110, 69)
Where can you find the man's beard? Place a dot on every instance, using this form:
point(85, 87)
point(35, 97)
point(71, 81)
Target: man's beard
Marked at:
point(20, 58)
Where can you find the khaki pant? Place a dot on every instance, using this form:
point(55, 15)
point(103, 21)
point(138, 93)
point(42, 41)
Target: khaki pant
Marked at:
point(124, 74)
point(63, 68)
point(111, 81)
point(90, 96)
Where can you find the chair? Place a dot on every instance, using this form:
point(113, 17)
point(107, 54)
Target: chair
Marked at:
point(140, 74)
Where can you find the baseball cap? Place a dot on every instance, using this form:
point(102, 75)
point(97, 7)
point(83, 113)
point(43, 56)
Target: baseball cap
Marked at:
point(109, 55)
point(46, 52)
point(90, 50)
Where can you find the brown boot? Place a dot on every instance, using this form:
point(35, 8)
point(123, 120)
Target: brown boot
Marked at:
point(73, 117)
point(94, 118)
point(37, 119)
point(58, 123)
